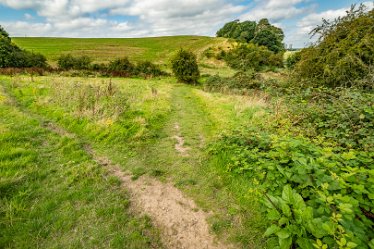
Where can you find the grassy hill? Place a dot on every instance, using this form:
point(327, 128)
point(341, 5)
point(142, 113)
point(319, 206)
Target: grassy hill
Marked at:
point(156, 49)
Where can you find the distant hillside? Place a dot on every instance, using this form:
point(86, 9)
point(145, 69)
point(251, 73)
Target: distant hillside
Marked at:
point(155, 49)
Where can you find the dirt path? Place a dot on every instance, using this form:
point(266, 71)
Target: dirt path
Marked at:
point(182, 224)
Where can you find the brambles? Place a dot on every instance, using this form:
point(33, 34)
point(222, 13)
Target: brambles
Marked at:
point(185, 67)
point(311, 194)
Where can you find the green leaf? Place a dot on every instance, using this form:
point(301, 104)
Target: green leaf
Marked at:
point(285, 209)
point(271, 230)
point(287, 194)
point(285, 243)
point(351, 245)
point(273, 214)
point(283, 234)
point(283, 221)
point(304, 243)
point(298, 201)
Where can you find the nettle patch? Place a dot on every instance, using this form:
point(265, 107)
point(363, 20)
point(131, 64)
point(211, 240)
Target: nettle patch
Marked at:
point(313, 197)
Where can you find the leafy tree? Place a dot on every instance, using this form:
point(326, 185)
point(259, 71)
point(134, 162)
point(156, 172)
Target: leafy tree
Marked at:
point(263, 33)
point(344, 52)
point(184, 66)
point(268, 39)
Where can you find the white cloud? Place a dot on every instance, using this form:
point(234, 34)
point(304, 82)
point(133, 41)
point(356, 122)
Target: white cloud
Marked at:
point(28, 16)
point(276, 10)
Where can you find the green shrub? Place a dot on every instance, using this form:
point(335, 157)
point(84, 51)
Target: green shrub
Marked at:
point(291, 60)
point(148, 69)
point(68, 61)
point(184, 66)
point(121, 66)
point(344, 54)
point(252, 57)
point(239, 83)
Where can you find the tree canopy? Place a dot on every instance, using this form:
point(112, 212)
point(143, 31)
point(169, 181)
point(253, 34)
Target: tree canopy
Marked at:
point(261, 33)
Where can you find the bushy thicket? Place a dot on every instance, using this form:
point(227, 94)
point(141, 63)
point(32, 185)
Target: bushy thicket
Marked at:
point(240, 83)
point(292, 60)
point(252, 57)
point(13, 56)
point(184, 66)
point(262, 34)
point(118, 67)
point(344, 54)
point(68, 61)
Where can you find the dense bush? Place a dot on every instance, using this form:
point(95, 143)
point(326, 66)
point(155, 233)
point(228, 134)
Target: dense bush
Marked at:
point(239, 83)
point(252, 57)
point(148, 69)
point(344, 54)
point(122, 65)
point(68, 61)
point(13, 56)
point(184, 66)
point(292, 59)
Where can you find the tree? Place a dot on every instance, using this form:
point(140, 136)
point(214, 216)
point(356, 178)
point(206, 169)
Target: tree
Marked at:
point(263, 33)
point(269, 39)
point(184, 66)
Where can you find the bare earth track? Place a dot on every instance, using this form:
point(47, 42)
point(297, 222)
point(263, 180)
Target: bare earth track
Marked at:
point(182, 224)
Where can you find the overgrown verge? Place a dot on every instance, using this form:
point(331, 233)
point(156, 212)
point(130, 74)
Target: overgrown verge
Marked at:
point(53, 195)
point(313, 195)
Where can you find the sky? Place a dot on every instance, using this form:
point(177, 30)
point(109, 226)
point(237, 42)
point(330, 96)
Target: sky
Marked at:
point(142, 18)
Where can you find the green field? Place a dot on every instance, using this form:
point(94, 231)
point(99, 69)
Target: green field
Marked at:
point(155, 49)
